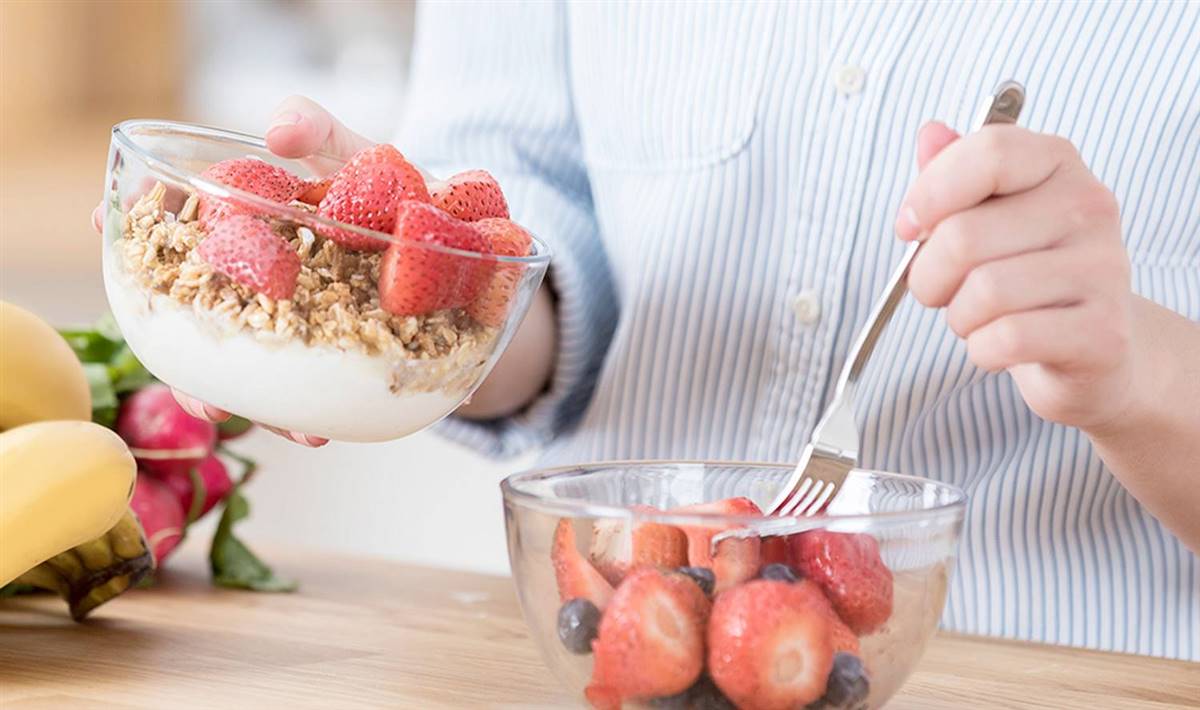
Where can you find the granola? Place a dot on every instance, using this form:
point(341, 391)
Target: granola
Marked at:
point(335, 304)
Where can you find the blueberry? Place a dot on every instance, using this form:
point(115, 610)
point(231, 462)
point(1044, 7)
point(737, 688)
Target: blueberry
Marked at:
point(847, 687)
point(704, 695)
point(778, 571)
point(703, 576)
point(578, 623)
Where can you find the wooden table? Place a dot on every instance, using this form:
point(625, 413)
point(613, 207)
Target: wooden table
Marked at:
point(368, 633)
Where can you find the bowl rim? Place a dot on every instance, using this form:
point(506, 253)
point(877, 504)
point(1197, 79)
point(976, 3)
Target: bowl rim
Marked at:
point(121, 134)
point(567, 507)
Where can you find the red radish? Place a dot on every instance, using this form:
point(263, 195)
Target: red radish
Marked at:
point(735, 559)
point(161, 515)
point(615, 551)
point(249, 175)
point(366, 193)
point(213, 476)
point(848, 567)
point(651, 638)
point(169, 438)
point(769, 644)
point(414, 279)
point(504, 238)
point(246, 250)
point(470, 196)
point(576, 577)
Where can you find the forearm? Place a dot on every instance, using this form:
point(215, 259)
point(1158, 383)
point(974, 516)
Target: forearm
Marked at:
point(1154, 449)
point(525, 367)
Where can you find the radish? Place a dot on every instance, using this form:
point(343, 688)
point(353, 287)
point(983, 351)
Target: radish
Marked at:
point(162, 436)
point(161, 515)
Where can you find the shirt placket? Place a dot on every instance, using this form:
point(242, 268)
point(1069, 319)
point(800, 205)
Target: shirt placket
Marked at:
point(851, 89)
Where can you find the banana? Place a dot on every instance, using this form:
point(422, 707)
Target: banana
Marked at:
point(90, 574)
point(40, 377)
point(64, 484)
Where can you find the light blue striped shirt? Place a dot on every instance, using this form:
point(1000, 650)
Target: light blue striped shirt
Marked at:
point(719, 183)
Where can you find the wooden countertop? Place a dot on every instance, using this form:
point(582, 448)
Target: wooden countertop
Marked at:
point(369, 633)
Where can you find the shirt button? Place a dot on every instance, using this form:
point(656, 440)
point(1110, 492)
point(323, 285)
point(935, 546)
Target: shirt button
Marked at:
point(807, 307)
point(849, 79)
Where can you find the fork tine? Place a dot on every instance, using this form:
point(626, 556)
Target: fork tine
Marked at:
point(818, 503)
point(808, 497)
point(797, 493)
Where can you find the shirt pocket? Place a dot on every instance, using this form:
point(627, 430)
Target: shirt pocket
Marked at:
point(666, 86)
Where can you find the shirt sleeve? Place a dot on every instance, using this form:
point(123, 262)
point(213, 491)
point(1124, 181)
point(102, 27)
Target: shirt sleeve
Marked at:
point(489, 88)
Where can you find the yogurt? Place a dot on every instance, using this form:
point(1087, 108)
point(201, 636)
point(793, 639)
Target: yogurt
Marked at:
point(315, 389)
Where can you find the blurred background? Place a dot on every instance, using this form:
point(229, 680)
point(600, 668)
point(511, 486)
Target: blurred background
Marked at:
point(70, 69)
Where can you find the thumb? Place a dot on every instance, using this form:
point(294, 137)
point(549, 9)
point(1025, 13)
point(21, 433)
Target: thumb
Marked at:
point(300, 127)
point(932, 137)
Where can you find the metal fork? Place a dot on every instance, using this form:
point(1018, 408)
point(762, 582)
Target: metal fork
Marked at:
point(833, 449)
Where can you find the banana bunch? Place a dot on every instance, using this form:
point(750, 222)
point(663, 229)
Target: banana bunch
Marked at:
point(65, 483)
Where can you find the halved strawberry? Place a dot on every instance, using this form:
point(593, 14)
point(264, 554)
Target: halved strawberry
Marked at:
point(315, 190)
point(615, 551)
point(249, 175)
point(246, 250)
point(505, 238)
point(735, 559)
point(769, 645)
point(651, 640)
point(366, 193)
point(470, 196)
point(577, 578)
point(848, 567)
point(414, 279)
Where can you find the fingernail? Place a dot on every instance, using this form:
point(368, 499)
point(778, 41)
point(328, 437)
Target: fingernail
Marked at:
point(214, 414)
point(289, 118)
point(908, 226)
point(314, 441)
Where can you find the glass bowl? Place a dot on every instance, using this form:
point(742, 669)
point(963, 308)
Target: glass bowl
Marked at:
point(880, 557)
point(328, 361)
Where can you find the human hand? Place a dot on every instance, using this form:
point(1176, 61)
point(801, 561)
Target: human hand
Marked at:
point(299, 128)
point(1022, 246)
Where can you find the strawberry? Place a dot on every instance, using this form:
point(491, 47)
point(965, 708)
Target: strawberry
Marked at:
point(161, 515)
point(213, 477)
point(249, 175)
point(577, 578)
point(415, 279)
point(736, 559)
point(651, 640)
point(366, 193)
point(313, 191)
point(246, 250)
point(470, 196)
point(849, 569)
point(505, 238)
point(769, 644)
point(166, 439)
point(775, 550)
point(840, 635)
point(615, 552)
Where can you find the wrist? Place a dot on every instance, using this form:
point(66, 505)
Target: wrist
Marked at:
point(1154, 371)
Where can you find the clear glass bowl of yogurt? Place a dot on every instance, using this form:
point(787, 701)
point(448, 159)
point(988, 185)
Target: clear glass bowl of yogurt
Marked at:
point(286, 324)
point(659, 584)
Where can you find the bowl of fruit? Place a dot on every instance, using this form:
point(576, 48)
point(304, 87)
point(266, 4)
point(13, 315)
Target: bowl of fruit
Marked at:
point(662, 584)
point(349, 297)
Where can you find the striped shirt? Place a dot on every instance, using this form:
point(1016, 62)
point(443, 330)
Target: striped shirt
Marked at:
point(719, 183)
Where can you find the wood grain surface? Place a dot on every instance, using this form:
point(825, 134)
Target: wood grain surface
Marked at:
point(369, 633)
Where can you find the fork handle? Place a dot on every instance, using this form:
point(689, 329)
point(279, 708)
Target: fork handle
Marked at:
point(1002, 107)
